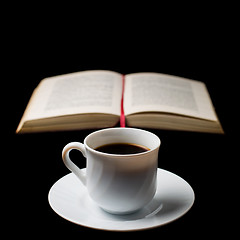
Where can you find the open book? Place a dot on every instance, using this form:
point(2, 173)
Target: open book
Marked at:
point(99, 99)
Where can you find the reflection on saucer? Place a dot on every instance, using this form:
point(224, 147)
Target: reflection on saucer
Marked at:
point(148, 211)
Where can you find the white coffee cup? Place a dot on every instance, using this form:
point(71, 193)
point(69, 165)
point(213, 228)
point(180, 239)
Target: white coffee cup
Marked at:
point(119, 184)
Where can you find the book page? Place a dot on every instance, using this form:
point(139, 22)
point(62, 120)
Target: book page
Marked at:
point(155, 92)
point(81, 92)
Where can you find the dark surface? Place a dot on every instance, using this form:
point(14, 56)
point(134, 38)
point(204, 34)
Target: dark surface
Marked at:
point(32, 162)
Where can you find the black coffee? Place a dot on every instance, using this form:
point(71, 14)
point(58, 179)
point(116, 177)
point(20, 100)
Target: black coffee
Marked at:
point(122, 148)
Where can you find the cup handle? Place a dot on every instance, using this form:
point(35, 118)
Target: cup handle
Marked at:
point(69, 164)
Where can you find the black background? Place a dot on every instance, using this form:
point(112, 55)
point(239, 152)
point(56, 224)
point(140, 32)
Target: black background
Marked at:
point(195, 42)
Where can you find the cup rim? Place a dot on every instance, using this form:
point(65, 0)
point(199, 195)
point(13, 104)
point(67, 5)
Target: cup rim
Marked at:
point(121, 155)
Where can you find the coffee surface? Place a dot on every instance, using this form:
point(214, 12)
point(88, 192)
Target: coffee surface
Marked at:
point(122, 148)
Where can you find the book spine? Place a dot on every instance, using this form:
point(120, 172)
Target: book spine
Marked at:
point(122, 116)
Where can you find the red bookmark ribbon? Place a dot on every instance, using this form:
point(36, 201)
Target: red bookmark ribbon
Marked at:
point(122, 116)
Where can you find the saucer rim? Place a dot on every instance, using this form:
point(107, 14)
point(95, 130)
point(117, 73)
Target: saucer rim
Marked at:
point(124, 230)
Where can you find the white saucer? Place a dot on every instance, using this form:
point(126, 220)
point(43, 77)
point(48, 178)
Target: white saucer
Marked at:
point(174, 197)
